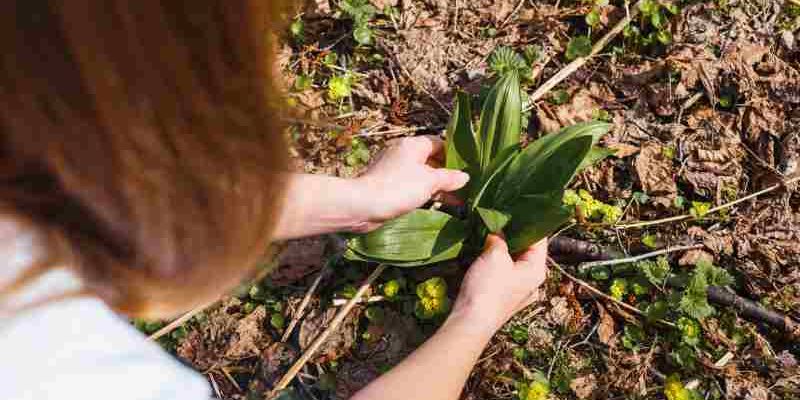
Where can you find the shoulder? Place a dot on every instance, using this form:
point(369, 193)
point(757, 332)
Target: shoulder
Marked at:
point(78, 348)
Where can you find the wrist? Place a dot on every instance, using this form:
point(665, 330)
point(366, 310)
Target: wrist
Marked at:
point(477, 318)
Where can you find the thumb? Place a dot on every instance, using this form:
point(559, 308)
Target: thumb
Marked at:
point(448, 180)
point(495, 246)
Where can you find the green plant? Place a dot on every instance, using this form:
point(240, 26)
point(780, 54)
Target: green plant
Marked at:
point(277, 321)
point(690, 331)
point(618, 288)
point(392, 288)
point(588, 208)
point(513, 190)
point(656, 272)
point(653, 27)
point(432, 299)
point(519, 333)
point(699, 209)
point(633, 337)
point(559, 97)
point(578, 46)
point(340, 86)
point(650, 240)
point(358, 154)
point(297, 29)
point(360, 12)
point(537, 388)
point(674, 390)
point(694, 301)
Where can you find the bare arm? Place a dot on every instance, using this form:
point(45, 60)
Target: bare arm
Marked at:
point(404, 178)
point(495, 288)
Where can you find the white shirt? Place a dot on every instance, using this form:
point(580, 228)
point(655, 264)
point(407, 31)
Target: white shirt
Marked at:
point(77, 348)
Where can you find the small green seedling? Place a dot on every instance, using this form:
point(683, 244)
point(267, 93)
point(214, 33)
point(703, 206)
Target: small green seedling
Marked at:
point(340, 86)
point(360, 12)
point(699, 209)
point(650, 240)
point(578, 46)
point(511, 190)
point(297, 28)
point(675, 390)
point(537, 389)
point(358, 154)
point(432, 299)
point(694, 301)
point(653, 27)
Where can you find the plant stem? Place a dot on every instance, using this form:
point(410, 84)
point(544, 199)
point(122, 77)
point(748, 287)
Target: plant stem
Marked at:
point(337, 320)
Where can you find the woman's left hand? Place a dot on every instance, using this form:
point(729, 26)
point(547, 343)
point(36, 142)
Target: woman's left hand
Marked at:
point(406, 176)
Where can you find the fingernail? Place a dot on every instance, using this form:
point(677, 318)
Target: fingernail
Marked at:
point(463, 177)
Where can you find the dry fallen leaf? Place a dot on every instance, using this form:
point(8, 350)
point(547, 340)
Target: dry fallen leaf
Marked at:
point(607, 328)
point(656, 173)
point(584, 386)
point(692, 257)
point(249, 337)
point(298, 259)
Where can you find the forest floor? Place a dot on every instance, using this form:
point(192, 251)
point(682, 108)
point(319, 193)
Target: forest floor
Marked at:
point(704, 97)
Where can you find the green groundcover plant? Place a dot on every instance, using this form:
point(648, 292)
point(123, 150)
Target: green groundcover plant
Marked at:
point(514, 190)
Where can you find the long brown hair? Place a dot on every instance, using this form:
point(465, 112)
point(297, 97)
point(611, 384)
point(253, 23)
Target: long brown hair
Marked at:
point(141, 138)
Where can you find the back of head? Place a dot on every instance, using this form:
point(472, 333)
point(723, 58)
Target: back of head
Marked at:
point(140, 139)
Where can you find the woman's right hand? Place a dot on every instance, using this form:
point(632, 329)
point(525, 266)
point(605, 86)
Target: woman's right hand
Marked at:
point(497, 285)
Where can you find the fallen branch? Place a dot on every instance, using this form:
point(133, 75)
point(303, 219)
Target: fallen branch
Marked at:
point(602, 294)
point(337, 320)
point(180, 321)
point(717, 295)
point(573, 66)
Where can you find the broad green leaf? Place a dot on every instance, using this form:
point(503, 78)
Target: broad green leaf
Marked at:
point(494, 220)
point(418, 235)
point(500, 119)
point(494, 174)
point(596, 154)
point(462, 149)
point(447, 254)
point(534, 159)
point(533, 217)
point(556, 171)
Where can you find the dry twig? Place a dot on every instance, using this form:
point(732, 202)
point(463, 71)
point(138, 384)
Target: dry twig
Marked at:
point(337, 320)
point(303, 304)
point(591, 264)
point(642, 224)
point(573, 66)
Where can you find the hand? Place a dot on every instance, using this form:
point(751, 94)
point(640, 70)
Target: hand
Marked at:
point(405, 177)
point(496, 286)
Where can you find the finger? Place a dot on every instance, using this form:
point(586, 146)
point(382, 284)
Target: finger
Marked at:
point(420, 148)
point(536, 253)
point(532, 263)
point(449, 180)
point(449, 198)
point(495, 248)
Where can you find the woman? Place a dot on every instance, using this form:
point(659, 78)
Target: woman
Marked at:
point(141, 171)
